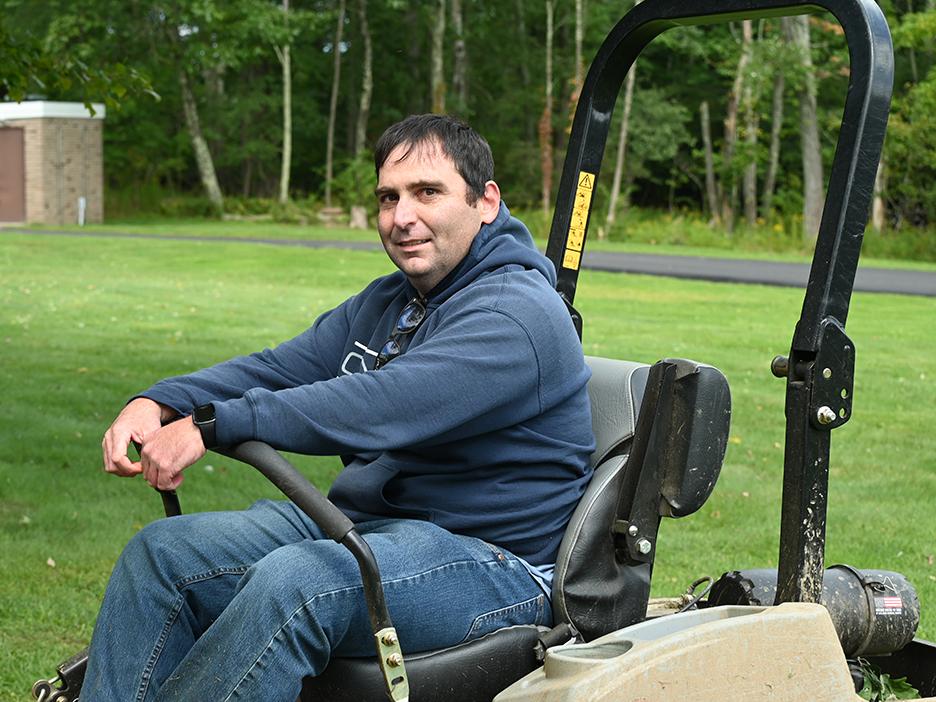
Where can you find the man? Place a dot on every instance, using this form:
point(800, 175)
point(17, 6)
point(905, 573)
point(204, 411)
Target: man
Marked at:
point(454, 391)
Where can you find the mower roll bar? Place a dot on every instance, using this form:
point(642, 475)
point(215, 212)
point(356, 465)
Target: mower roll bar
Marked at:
point(820, 365)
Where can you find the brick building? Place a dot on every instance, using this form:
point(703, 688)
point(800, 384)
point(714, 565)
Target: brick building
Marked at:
point(51, 168)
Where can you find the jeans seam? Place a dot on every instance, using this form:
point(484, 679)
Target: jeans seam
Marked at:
point(150, 666)
point(344, 590)
point(157, 649)
point(207, 575)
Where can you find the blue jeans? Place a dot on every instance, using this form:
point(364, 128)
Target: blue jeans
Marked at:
point(243, 605)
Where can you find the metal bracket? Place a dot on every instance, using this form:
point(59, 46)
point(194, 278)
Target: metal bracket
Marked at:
point(832, 377)
point(390, 657)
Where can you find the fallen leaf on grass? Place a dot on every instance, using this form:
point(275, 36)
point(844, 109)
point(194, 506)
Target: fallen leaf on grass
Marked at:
point(50, 562)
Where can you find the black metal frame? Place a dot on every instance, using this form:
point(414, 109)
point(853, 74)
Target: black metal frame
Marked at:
point(820, 365)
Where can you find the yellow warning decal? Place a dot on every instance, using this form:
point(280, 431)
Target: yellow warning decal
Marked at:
point(576, 237)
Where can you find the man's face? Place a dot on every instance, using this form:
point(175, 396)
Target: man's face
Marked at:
point(425, 222)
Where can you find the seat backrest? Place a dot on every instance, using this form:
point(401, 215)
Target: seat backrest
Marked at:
point(661, 434)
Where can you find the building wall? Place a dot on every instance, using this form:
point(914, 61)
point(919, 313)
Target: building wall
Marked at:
point(63, 161)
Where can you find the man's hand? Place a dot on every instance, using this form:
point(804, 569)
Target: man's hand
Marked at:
point(138, 418)
point(170, 450)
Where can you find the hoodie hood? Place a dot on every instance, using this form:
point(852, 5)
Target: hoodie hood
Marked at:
point(504, 242)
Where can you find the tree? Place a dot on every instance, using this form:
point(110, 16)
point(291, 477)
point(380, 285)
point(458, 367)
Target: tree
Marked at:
point(282, 53)
point(796, 32)
point(545, 123)
point(459, 58)
point(367, 82)
point(333, 104)
point(729, 187)
point(437, 61)
point(622, 146)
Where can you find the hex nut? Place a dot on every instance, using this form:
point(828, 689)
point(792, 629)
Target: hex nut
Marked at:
point(825, 415)
point(644, 546)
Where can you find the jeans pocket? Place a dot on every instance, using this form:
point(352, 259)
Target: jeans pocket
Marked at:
point(527, 612)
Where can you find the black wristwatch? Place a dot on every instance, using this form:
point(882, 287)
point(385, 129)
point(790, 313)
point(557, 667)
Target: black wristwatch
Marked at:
point(204, 418)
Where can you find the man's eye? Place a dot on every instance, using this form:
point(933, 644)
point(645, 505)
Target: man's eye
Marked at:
point(429, 192)
point(387, 199)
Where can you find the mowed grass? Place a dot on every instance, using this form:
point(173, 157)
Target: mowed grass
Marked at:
point(87, 322)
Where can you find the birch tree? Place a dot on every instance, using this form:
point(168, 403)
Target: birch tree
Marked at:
point(459, 58)
point(621, 146)
point(437, 81)
point(367, 83)
point(796, 33)
point(545, 123)
point(282, 53)
point(333, 104)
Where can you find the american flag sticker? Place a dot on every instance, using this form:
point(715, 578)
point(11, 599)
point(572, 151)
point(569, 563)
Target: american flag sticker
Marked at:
point(888, 605)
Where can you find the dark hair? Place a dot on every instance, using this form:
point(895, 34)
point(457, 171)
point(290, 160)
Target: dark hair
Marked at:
point(468, 150)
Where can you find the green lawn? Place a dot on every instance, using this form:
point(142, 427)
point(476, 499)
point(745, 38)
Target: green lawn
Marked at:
point(86, 322)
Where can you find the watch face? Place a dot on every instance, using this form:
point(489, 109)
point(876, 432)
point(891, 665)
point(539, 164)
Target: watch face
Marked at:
point(204, 414)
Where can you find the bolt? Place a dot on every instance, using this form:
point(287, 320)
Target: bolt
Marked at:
point(826, 373)
point(394, 660)
point(632, 530)
point(825, 415)
point(389, 639)
point(644, 546)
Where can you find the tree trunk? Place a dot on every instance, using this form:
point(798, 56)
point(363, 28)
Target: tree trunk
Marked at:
point(878, 210)
point(711, 189)
point(796, 31)
point(459, 59)
point(333, 105)
point(415, 99)
point(285, 61)
point(773, 162)
point(729, 190)
point(579, 40)
point(528, 117)
point(621, 149)
point(203, 160)
point(367, 83)
point(578, 77)
point(437, 61)
point(749, 183)
point(545, 123)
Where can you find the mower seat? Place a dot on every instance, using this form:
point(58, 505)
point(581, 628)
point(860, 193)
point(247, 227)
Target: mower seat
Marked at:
point(663, 462)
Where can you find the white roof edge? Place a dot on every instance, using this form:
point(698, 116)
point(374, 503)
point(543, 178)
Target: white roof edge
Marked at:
point(37, 109)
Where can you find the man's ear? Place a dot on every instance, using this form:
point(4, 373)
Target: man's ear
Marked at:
point(489, 203)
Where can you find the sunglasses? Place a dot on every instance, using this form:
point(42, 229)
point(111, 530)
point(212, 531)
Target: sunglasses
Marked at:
point(411, 316)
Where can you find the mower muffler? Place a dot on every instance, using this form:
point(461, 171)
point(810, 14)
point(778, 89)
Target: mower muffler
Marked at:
point(875, 612)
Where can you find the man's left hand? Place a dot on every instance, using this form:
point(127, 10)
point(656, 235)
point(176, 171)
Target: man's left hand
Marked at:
point(168, 451)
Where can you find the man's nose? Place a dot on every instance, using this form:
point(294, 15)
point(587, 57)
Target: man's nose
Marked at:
point(404, 213)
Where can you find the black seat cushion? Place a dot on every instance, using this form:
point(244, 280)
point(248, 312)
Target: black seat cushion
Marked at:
point(474, 671)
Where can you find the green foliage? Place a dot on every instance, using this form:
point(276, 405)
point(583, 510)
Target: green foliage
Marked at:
point(911, 155)
point(354, 183)
point(186, 206)
point(880, 687)
point(230, 52)
point(28, 65)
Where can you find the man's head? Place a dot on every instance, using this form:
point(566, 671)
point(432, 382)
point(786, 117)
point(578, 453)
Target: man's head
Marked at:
point(468, 150)
point(434, 191)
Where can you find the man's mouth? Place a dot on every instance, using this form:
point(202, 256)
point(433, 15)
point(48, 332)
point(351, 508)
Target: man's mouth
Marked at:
point(412, 243)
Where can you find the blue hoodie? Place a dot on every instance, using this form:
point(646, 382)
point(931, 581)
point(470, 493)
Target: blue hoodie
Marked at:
point(482, 426)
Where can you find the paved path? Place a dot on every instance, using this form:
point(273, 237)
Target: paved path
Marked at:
point(890, 280)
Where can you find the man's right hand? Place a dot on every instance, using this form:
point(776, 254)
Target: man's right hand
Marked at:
point(138, 418)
